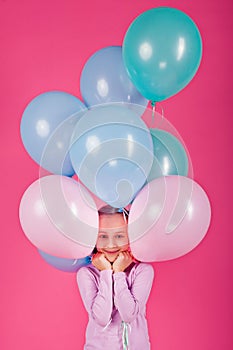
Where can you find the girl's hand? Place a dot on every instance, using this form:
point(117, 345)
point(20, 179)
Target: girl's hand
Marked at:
point(123, 260)
point(100, 262)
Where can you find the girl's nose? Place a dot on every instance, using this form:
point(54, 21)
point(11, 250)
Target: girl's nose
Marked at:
point(111, 242)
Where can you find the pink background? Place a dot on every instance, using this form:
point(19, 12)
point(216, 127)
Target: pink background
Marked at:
point(43, 46)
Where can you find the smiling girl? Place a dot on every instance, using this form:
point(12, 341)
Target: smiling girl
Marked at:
point(115, 288)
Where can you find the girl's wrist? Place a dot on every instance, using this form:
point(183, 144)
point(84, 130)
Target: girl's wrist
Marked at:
point(118, 270)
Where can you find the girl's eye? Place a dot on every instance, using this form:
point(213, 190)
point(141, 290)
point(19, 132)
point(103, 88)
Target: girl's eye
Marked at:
point(119, 236)
point(103, 236)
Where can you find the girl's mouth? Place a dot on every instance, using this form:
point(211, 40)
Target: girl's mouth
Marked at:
point(111, 252)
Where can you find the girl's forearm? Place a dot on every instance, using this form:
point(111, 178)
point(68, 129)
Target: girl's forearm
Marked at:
point(124, 301)
point(102, 305)
point(97, 299)
point(131, 301)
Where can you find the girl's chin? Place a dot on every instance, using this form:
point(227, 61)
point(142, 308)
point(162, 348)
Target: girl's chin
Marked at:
point(111, 258)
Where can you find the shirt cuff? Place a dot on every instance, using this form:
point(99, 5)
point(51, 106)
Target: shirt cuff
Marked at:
point(118, 275)
point(105, 274)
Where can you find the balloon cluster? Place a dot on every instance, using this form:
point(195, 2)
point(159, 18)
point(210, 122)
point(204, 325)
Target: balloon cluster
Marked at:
point(104, 143)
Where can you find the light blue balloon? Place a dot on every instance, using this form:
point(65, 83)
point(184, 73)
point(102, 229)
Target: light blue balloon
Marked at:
point(46, 127)
point(112, 153)
point(63, 264)
point(104, 79)
point(162, 51)
point(170, 157)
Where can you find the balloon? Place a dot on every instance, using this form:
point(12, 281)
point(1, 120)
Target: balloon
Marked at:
point(104, 79)
point(112, 153)
point(170, 157)
point(162, 51)
point(168, 218)
point(59, 217)
point(46, 127)
point(66, 265)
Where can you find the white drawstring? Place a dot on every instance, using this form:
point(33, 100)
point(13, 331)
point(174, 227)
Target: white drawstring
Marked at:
point(125, 335)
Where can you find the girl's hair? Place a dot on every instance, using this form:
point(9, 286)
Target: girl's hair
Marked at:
point(108, 210)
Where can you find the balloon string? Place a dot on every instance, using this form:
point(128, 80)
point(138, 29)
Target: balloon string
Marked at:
point(154, 107)
point(153, 110)
point(162, 115)
point(162, 111)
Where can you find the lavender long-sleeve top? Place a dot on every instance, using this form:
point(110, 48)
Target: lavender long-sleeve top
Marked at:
point(114, 302)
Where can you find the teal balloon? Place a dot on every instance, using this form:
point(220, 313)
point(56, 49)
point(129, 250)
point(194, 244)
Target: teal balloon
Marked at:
point(162, 51)
point(170, 157)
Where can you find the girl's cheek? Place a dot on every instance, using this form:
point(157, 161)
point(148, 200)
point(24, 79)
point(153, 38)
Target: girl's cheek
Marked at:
point(100, 247)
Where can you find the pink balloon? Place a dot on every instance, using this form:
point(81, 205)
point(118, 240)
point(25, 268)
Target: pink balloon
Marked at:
point(59, 217)
point(168, 218)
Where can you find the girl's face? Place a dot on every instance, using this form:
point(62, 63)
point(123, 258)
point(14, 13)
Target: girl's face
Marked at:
point(113, 236)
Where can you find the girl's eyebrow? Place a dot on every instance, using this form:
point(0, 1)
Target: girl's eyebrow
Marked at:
point(120, 231)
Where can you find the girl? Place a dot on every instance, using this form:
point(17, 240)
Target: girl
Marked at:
point(115, 289)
